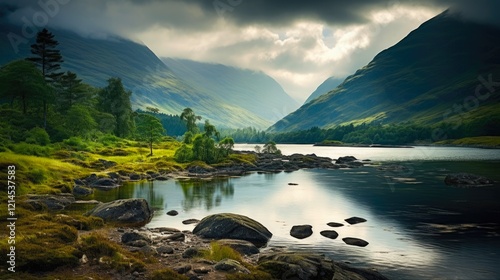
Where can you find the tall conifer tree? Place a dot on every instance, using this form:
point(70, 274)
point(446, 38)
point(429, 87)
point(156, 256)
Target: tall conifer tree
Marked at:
point(49, 59)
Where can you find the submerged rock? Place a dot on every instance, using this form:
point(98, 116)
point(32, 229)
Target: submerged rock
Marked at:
point(329, 234)
point(355, 241)
point(334, 224)
point(467, 179)
point(133, 211)
point(190, 221)
point(233, 226)
point(301, 231)
point(355, 220)
point(172, 213)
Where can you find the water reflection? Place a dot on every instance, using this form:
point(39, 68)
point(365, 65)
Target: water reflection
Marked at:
point(205, 194)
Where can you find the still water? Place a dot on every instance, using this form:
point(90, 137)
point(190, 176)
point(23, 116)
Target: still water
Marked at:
point(418, 228)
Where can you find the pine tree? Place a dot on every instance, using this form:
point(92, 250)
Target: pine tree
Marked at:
point(49, 59)
point(115, 100)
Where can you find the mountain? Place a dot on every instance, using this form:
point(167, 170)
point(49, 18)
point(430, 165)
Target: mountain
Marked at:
point(445, 71)
point(152, 82)
point(254, 91)
point(325, 87)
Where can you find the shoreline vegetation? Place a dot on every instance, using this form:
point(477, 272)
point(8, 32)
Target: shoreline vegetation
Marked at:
point(54, 241)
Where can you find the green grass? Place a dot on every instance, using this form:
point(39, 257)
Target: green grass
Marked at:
point(218, 252)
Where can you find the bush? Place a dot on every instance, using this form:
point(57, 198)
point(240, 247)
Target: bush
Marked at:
point(218, 252)
point(38, 136)
point(183, 154)
point(76, 143)
point(36, 176)
point(30, 149)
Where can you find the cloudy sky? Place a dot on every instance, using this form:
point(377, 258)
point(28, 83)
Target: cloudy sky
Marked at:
point(298, 43)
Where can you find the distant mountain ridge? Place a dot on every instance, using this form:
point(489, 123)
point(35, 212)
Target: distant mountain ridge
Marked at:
point(154, 84)
point(425, 78)
point(251, 90)
point(328, 85)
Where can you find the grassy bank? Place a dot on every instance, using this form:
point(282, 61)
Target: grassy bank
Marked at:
point(480, 141)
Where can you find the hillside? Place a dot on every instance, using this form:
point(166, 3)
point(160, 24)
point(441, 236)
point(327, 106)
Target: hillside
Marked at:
point(150, 80)
point(251, 90)
point(328, 85)
point(429, 77)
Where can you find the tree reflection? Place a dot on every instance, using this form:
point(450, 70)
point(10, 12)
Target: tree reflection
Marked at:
point(205, 194)
point(145, 189)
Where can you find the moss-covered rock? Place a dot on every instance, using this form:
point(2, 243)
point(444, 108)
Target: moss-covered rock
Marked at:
point(233, 226)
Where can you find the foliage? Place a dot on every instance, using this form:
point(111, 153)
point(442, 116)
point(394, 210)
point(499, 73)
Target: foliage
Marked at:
point(204, 149)
point(23, 85)
point(115, 100)
point(38, 136)
point(183, 154)
point(226, 145)
point(190, 118)
point(46, 56)
point(270, 148)
point(218, 252)
point(188, 137)
point(78, 121)
point(148, 129)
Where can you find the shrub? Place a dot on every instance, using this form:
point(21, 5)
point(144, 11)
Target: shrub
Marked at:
point(218, 252)
point(183, 154)
point(37, 136)
point(36, 176)
point(76, 143)
point(30, 149)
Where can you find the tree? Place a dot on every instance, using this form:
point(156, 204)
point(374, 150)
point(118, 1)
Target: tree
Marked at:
point(71, 91)
point(270, 148)
point(210, 130)
point(115, 100)
point(78, 121)
point(22, 83)
point(226, 146)
point(149, 129)
point(190, 118)
point(49, 59)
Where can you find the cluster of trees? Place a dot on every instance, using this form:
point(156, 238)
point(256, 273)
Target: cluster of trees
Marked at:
point(404, 133)
point(36, 94)
point(205, 146)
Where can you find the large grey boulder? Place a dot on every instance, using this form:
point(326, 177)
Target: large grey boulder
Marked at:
point(233, 226)
point(133, 211)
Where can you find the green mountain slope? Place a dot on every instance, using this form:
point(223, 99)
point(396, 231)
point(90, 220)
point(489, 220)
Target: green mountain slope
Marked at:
point(150, 80)
point(251, 90)
point(325, 87)
point(430, 76)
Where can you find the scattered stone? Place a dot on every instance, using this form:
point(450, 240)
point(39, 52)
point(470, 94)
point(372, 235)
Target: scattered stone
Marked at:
point(165, 250)
point(133, 211)
point(182, 268)
point(355, 241)
point(190, 221)
point(135, 177)
point(355, 220)
point(138, 243)
point(241, 246)
point(329, 234)
point(333, 224)
point(82, 191)
point(106, 163)
point(50, 202)
point(178, 236)
point(84, 259)
point(202, 270)
point(301, 231)
point(301, 266)
point(172, 213)
point(105, 183)
point(467, 180)
point(167, 229)
point(233, 226)
point(129, 237)
point(346, 159)
point(190, 253)
point(293, 184)
point(229, 265)
point(148, 250)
